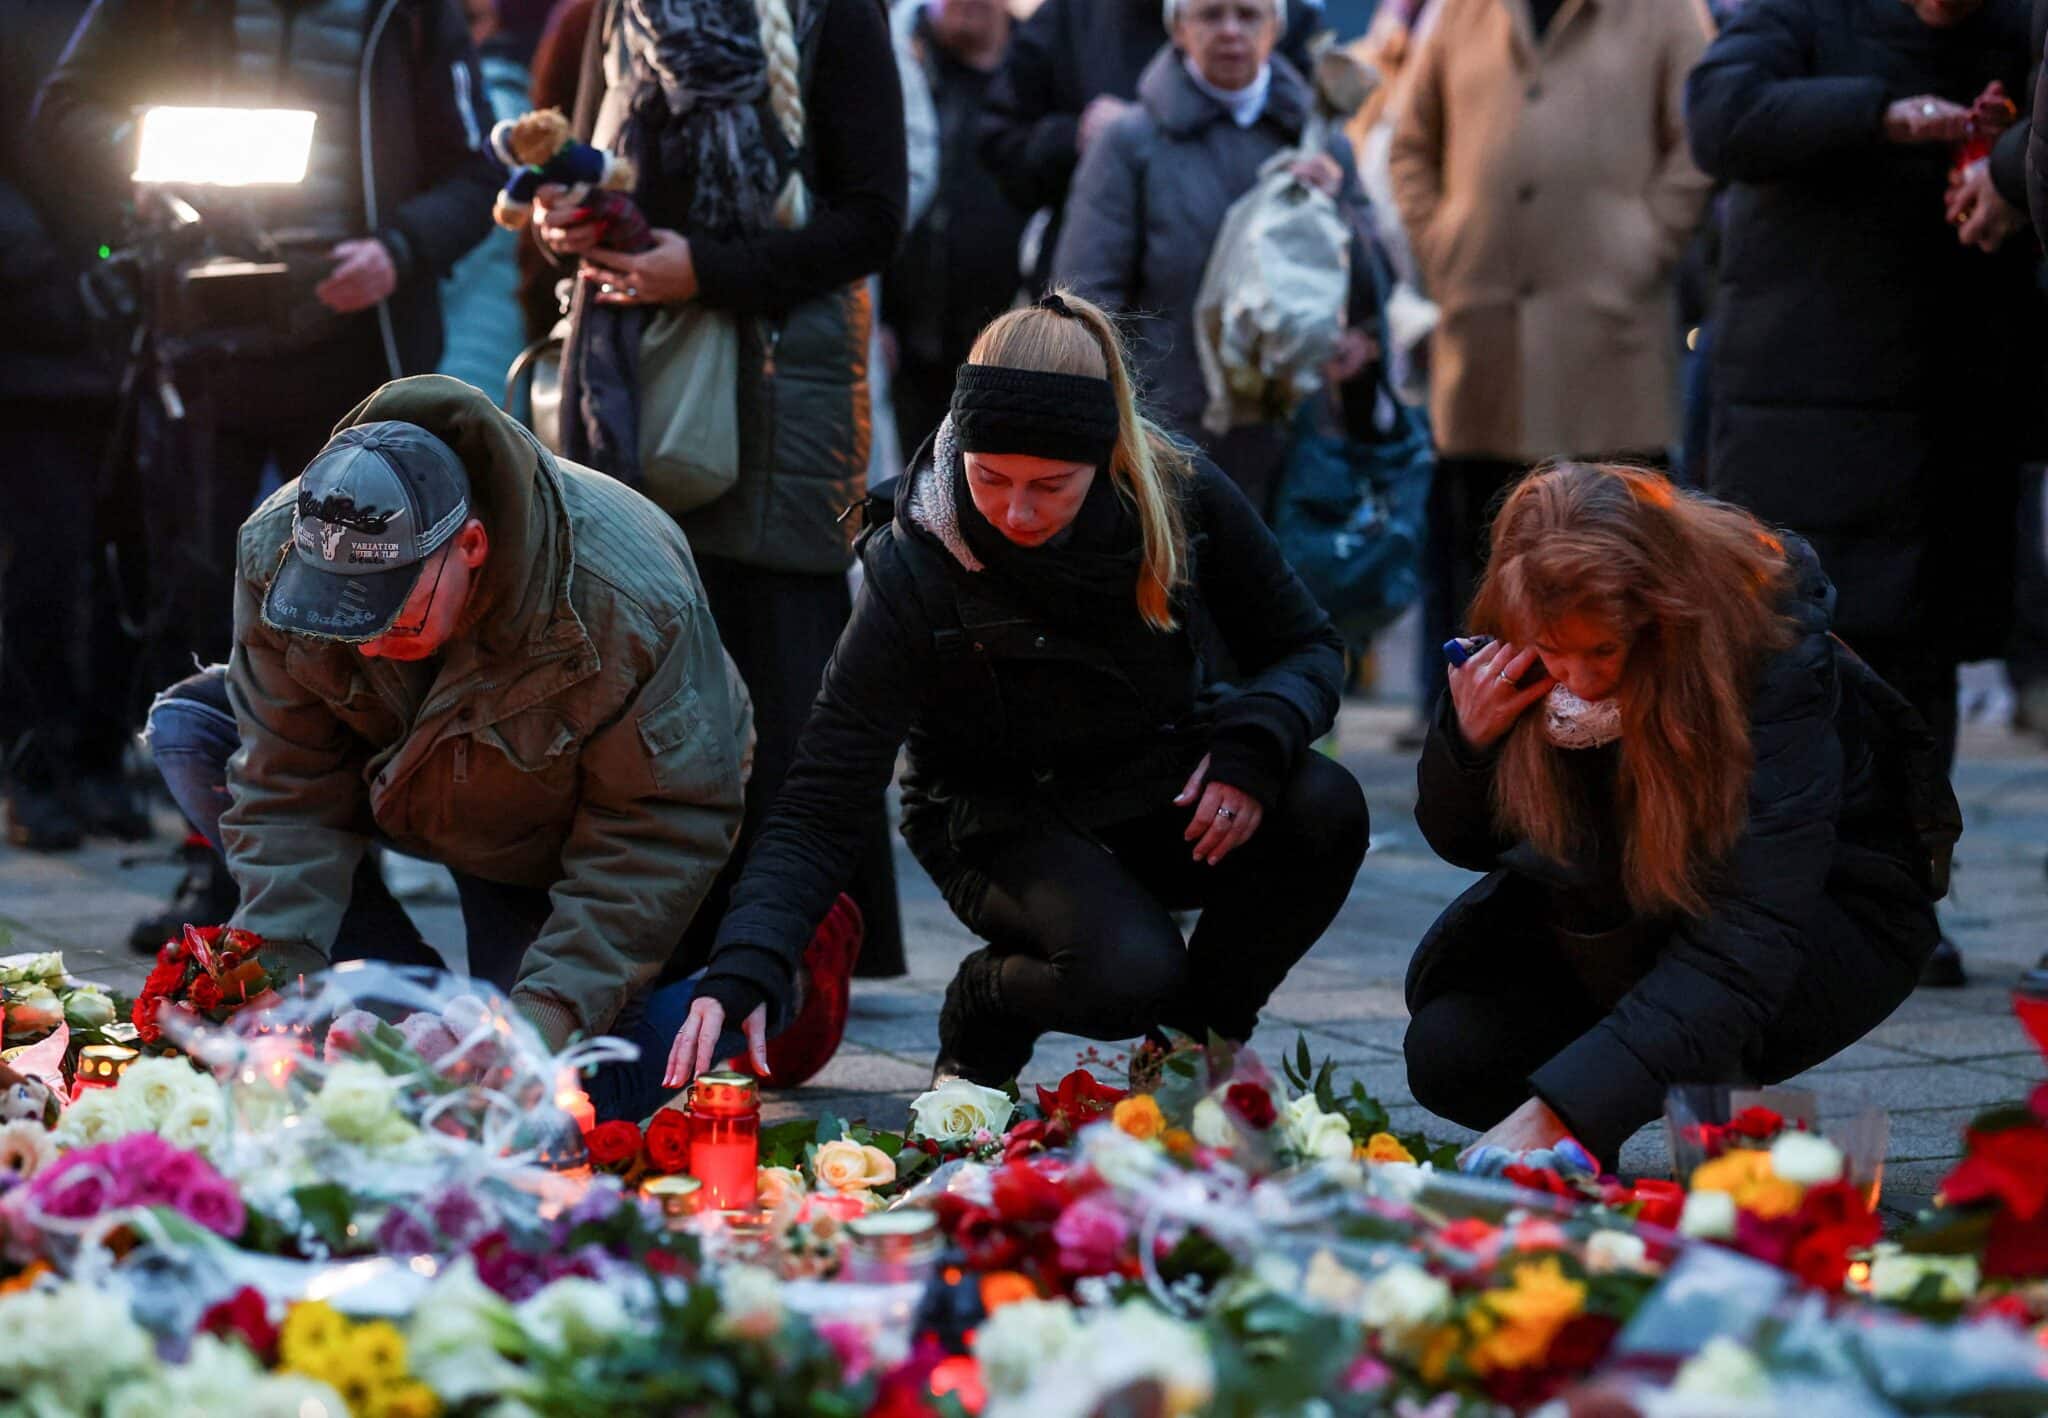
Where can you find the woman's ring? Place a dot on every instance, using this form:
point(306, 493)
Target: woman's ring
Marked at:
point(1226, 812)
point(632, 292)
point(1927, 110)
point(1502, 676)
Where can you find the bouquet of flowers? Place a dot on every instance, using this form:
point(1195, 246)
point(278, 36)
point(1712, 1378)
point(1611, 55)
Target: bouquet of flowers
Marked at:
point(37, 998)
point(1791, 1207)
point(210, 974)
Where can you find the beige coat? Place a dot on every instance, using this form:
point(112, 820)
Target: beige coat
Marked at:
point(1547, 191)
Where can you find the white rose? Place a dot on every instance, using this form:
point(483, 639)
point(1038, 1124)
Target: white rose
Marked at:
point(99, 1115)
point(780, 1188)
point(154, 1087)
point(25, 1149)
point(751, 1301)
point(957, 1109)
point(1120, 1159)
point(1212, 1126)
point(199, 1124)
point(44, 969)
point(88, 1008)
point(453, 1340)
point(1402, 1298)
point(1723, 1369)
point(358, 1102)
point(1616, 1252)
point(846, 1166)
point(1708, 1216)
point(1332, 1286)
point(1141, 1342)
point(574, 1314)
point(1894, 1274)
point(1315, 1133)
point(1019, 1340)
point(1805, 1159)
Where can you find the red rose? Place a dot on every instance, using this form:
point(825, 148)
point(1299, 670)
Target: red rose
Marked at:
point(1662, 1202)
point(2010, 1164)
point(1840, 1206)
point(1822, 1258)
point(1581, 1343)
point(1251, 1103)
point(1758, 1124)
point(668, 1141)
point(244, 1315)
point(205, 993)
point(1022, 1193)
point(165, 978)
point(613, 1144)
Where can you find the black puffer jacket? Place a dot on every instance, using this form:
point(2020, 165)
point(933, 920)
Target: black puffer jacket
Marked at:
point(1848, 804)
point(1871, 390)
point(1011, 720)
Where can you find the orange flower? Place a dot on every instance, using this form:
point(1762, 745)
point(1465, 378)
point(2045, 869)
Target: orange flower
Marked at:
point(1005, 1287)
point(1178, 1141)
point(1542, 1300)
point(1772, 1198)
point(1140, 1117)
point(36, 1271)
point(1384, 1147)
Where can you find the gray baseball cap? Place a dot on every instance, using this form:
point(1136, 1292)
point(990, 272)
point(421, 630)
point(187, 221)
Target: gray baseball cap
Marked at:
point(373, 505)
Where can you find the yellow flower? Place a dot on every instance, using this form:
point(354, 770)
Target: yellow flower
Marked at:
point(377, 1350)
point(1772, 1198)
point(1531, 1312)
point(311, 1332)
point(408, 1399)
point(1439, 1345)
point(1139, 1116)
point(1384, 1147)
point(1178, 1141)
point(1733, 1172)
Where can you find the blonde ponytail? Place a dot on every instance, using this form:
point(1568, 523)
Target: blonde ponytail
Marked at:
point(786, 99)
point(1149, 469)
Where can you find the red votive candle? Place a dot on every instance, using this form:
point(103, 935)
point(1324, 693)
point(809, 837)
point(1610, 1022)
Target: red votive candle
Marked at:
point(725, 1138)
point(2030, 1003)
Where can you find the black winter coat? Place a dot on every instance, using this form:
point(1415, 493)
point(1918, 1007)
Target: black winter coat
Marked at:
point(1849, 806)
point(1873, 379)
point(431, 178)
point(1011, 720)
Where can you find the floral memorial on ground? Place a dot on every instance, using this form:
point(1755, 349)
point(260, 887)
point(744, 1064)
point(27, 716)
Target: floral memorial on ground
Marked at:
point(375, 1193)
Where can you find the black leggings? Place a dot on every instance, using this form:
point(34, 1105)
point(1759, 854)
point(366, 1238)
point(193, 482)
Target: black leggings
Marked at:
point(1471, 1050)
point(1085, 923)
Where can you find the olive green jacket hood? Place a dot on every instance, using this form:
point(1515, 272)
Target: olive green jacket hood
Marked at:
point(587, 734)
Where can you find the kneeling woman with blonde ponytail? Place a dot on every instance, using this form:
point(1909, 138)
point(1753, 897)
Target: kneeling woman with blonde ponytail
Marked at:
point(1714, 837)
point(1110, 682)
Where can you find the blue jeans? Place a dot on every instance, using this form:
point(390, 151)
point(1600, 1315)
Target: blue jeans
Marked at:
point(192, 733)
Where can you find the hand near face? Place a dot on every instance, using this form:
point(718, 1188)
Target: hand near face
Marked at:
point(1485, 692)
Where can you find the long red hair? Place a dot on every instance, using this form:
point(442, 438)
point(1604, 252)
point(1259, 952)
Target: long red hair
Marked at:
point(1695, 586)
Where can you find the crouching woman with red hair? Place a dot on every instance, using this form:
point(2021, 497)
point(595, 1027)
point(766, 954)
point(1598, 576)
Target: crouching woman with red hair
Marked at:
point(1713, 838)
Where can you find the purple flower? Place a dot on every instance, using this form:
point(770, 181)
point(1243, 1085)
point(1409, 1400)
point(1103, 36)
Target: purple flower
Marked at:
point(1091, 1235)
point(76, 1193)
point(595, 1207)
point(401, 1233)
point(506, 1269)
point(458, 1216)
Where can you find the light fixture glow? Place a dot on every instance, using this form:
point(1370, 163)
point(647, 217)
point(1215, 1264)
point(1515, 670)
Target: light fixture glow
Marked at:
point(225, 147)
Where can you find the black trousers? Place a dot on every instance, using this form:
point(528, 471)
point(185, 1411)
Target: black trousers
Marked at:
point(1085, 923)
point(67, 672)
point(780, 628)
point(1472, 1049)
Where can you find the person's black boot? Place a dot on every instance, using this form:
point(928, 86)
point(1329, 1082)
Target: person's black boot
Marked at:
point(110, 807)
point(40, 820)
point(205, 896)
point(1944, 968)
point(978, 1039)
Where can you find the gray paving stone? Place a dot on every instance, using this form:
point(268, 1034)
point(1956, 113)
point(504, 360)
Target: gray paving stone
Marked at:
point(1953, 1037)
point(1918, 1087)
point(2026, 1067)
point(1935, 1133)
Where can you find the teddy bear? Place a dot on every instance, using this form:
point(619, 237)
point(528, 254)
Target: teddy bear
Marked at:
point(539, 150)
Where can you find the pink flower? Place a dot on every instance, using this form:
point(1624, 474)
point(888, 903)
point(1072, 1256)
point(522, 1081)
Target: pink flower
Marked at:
point(75, 1194)
point(1366, 1375)
point(214, 1204)
point(1091, 1235)
point(1540, 1233)
point(850, 1344)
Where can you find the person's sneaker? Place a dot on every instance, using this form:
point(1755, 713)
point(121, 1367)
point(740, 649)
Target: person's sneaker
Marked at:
point(40, 820)
point(1944, 968)
point(110, 807)
point(205, 896)
point(803, 1049)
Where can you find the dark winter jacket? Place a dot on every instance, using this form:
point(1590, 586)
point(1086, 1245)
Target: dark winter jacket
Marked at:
point(1147, 204)
point(1848, 805)
point(47, 352)
point(428, 181)
point(803, 396)
point(1012, 720)
point(1870, 391)
point(1066, 54)
point(2033, 164)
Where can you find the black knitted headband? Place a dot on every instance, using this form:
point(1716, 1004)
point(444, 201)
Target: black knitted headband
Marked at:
point(1072, 417)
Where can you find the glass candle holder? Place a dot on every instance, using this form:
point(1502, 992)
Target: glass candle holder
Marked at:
point(893, 1248)
point(725, 1139)
point(680, 1198)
